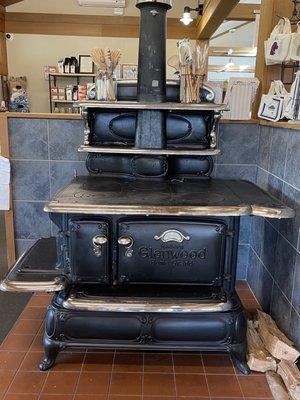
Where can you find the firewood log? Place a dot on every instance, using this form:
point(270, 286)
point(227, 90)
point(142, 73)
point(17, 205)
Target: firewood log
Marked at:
point(277, 387)
point(290, 375)
point(274, 340)
point(259, 359)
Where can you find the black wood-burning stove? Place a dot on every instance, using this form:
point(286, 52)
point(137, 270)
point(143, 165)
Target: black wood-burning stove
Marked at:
point(145, 256)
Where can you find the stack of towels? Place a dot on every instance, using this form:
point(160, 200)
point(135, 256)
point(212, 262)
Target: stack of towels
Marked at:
point(4, 184)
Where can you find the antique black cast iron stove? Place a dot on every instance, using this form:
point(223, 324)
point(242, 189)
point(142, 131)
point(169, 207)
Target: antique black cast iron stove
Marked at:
point(145, 256)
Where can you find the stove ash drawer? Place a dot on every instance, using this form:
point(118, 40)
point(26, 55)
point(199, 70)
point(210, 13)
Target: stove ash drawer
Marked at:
point(89, 251)
point(35, 270)
point(171, 252)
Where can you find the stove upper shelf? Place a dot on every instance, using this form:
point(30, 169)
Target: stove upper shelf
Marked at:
point(135, 105)
point(193, 197)
point(134, 150)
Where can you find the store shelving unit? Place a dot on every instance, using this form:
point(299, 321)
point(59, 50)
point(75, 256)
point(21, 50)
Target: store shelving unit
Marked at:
point(53, 78)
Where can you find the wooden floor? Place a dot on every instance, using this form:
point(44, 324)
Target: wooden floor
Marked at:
point(109, 375)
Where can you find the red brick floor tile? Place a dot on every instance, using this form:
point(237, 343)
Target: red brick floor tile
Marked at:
point(68, 362)
point(27, 382)
point(218, 364)
point(6, 378)
point(39, 301)
point(188, 363)
point(113, 397)
point(241, 285)
point(21, 397)
point(26, 327)
point(92, 397)
point(31, 361)
point(224, 385)
point(11, 360)
point(93, 383)
point(159, 384)
point(17, 342)
point(126, 384)
point(154, 362)
point(98, 362)
point(191, 385)
point(61, 383)
point(56, 397)
point(33, 313)
point(159, 398)
point(128, 362)
point(255, 386)
point(37, 344)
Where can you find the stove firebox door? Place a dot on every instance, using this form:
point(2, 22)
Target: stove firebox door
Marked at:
point(89, 250)
point(171, 252)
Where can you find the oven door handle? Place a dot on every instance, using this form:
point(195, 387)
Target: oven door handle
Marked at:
point(172, 235)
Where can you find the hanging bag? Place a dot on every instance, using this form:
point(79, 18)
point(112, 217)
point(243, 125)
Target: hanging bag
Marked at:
point(273, 104)
point(295, 45)
point(277, 47)
point(291, 110)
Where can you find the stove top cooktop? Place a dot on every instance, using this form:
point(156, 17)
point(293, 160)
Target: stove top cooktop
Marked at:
point(186, 197)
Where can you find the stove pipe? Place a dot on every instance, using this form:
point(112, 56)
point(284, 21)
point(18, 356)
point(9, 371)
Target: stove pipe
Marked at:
point(152, 50)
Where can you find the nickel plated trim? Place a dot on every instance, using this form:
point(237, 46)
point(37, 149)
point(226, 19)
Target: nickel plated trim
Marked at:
point(193, 211)
point(148, 210)
point(56, 285)
point(132, 150)
point(120, 305)
point(135, 105)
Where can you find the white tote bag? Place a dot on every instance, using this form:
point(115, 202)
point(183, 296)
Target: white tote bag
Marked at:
point(273, 104)
point(291, 111)
point(295, 45)
point(277, 47)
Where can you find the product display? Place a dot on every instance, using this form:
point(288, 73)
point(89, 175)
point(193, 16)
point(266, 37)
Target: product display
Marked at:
point(277, 47)
point(106, 61)
point(240, 96)
point(193, 68)
point(273, 104)
point(18, 94)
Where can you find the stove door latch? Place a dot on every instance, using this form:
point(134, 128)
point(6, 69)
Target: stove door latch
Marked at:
point(127, 242)
point(98, 242)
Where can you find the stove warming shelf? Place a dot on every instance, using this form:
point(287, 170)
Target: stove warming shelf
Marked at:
point(130, 196)
point(132, 150)
point(134, 105)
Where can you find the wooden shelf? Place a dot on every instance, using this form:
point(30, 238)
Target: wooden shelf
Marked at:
point(57, 75)
point(132, 150)
point(62, 101)
point(134, 105)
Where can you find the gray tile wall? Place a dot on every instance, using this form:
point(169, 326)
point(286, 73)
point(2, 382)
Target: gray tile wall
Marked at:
point(274, 266)
point(44, 158)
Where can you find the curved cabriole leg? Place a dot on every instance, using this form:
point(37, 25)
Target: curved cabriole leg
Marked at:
point(52, 348)
point(238, 355)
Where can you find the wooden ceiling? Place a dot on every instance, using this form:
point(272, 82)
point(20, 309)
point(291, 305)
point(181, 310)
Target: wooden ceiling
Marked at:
point(6, 3)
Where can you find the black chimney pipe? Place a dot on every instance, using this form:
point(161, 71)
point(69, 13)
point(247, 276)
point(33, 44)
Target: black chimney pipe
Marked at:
point(151, 86)
point(152, 50)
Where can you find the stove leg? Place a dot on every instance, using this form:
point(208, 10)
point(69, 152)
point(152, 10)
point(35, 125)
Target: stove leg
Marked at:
point(52, 348)
point(238, 355)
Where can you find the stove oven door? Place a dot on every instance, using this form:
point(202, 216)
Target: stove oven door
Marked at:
point(36, 270)
point(89, 251)
point(171, 252)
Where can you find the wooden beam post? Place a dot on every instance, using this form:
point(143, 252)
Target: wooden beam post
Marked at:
point(270, 9)
point(243, 12)
point(3, 54)
point(9, 216)
point(215, 12)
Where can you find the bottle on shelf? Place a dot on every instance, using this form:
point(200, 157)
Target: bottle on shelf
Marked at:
point(67, 65)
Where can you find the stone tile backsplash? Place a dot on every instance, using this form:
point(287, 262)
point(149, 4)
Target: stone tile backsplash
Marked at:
point(45, 159)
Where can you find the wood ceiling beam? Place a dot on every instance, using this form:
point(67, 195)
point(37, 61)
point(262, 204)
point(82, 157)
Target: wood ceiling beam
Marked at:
point(244, 12)
point(6, 3)
point(215, 12)
point(88, 25)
